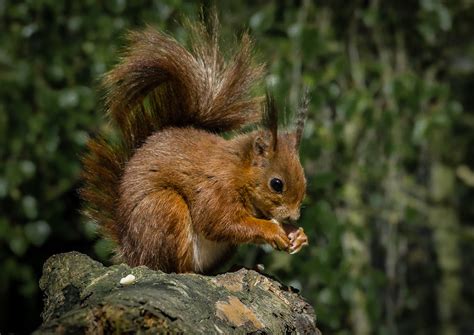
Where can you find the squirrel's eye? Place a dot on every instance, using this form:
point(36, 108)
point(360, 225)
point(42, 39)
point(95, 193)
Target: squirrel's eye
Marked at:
point(277, 185)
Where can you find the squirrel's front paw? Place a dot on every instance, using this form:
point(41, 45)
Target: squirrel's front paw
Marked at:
point(298, 239)
point(278, 239)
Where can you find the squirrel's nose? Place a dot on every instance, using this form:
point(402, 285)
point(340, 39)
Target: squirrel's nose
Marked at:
point(292, 218)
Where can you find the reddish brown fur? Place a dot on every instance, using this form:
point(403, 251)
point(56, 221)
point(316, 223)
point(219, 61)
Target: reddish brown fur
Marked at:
point(175, 197)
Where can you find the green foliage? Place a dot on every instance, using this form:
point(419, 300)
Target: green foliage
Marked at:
point(387, 149)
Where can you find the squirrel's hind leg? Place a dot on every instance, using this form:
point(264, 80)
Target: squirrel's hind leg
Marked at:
point(160, 233)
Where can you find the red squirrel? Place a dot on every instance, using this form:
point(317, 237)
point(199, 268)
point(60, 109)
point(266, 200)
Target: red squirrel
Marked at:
point(171, 191)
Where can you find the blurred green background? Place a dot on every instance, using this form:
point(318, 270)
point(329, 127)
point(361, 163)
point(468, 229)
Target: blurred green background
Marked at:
point(388, 148)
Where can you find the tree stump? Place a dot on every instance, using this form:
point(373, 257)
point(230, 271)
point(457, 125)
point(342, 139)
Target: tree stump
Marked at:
point(83, 296)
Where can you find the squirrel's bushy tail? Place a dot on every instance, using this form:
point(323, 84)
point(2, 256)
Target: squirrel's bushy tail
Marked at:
point(159, 83)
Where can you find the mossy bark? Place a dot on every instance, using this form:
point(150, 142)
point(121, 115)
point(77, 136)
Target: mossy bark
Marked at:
point(83, 296)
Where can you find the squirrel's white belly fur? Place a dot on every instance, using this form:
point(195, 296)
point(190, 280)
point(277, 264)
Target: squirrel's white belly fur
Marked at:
point(207, 253)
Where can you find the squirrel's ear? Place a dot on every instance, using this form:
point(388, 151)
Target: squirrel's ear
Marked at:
point(261, 146)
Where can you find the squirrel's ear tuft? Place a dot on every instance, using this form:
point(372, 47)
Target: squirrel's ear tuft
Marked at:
point(270, 118)
point(301, 116)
